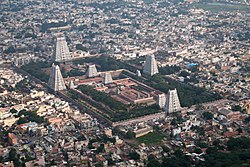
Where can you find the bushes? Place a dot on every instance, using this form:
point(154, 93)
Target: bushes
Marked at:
point(35, 69)
point(46, 26)
point(238, 143)
point(29, 116)
point(188, 95)
point(106, 63)
point(207, 115)
point(169, 70)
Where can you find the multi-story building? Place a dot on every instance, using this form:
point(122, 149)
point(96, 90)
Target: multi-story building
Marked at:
point(172, 102)
point(61, 53)
point(56, 81)
point(150, 66)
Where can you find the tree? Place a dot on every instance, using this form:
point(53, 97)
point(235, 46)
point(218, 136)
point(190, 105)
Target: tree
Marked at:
point(81, 47)
point(197, 150)
point(176, 162)
point(247, 120)
point(29, 116)
point(184, 73)
point(130, 135)
point(240, 130)
point(111, 162)
point(153, 163)
point(169, 70)
point(99, 165)
point(178, 153)
point(53, 162)
point(216, 142)
point(174, 122)
point(207, 115)
point(165, 149)
point(202, 144)
point(100, 149)
point(210, 150)
point(13, 111)
point(236, 108)
point(35, 69)
point(238, 143)
point(134, 155)
point(13, 156)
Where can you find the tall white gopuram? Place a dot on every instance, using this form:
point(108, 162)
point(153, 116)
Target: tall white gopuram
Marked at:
point(91, 71)
point(107, 78)
point(150, 66)
point(61, 52)
point(172, 102)
point(56, 81)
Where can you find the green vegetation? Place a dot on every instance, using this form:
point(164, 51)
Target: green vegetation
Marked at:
point(24, 86)
point(189, 95)
point(184, 74)
point(237, 108)
point(199, 130)
point(129, 135)
point(13, 156)
point(72, 73)
point(13, 111)
point(201, 144)
point(238, 143)
point(106, 63)
point(115, 110)
point(237, 158)
point(218, 7)
point(46, 26)
point(236, 154)
point(134, 155)
point(165, 149)
point(169, 70)
point(35, 69)
point(179, 160)
point(207, 115)
point(81, 47)
point(153, 163)
point(29, 116)
point(151, 138)
point(197, 150)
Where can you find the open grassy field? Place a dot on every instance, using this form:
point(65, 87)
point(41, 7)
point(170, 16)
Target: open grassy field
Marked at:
point(150, 138)
point(218, 7)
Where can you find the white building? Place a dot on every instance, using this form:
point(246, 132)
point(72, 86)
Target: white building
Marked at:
point(92, 71)
point(61, 53)
point(107, 78)
point(150, 66)
point(172, 102)
point(56, 81)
